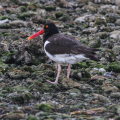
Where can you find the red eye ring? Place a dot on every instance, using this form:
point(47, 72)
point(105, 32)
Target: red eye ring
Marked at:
point(46, 26)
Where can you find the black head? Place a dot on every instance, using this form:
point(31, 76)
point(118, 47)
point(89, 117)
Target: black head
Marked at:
point(50, 29)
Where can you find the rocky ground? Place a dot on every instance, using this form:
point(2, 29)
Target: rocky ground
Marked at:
point(93, 90)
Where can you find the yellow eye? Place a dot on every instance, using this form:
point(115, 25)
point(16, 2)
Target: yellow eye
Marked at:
point(46, 26)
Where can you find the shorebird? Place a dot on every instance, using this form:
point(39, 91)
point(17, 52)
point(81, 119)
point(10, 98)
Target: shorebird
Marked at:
point(63, 49)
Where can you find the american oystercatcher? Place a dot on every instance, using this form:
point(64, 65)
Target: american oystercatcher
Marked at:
point(63, 49)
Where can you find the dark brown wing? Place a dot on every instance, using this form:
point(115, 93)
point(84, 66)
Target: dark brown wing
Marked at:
point(62, 44)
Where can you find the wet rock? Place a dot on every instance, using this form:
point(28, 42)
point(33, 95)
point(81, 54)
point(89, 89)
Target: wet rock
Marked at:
point(18, 24)
point(117, 2)
point(99, 79)
point(6, 3)
point(102, 35)
point(82, 19)
point(42, 12)
point(117, 22)
point(107, 9)
point(110, 89)
point(102, 70)
point(115, 34)
point(19, 88)
point(31, 117)
point(117, 84)
point(13, 116)
point(95, 43)
point(4, 48)
point(38, 20)
point(27, 15)
point(76, 75)
point(33, 6)
point(5, 26)
point(102, 98)
point(105, 1)
point(63, 3)
point(30, 53)
point(100, 21)
point(12, 10)
point(115, 95)
point(89, 31)
point(90, 8)
point(25, 57)
point(68, 83)
point(17, 74)
point(109, 55)
point(111, 17)
point(116, 49)
point(4, 21)
point(19, 97)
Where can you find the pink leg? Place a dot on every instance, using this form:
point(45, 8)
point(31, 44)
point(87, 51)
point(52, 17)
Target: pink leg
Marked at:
point(68, 71)
point(58, 74)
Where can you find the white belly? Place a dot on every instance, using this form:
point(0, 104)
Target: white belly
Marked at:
point(65, 58)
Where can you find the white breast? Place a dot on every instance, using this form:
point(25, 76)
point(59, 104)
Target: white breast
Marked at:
point(65, 58)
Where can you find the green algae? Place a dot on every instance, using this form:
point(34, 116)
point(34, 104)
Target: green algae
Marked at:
point(50, 8)
point(23, 8)
point(5, 17)
point(5, 26)
point(39, 86)
point(28, 68)
point(45, 107)
point(31, 117)
point(24, 15)
point(115, 66)
point(58, 14)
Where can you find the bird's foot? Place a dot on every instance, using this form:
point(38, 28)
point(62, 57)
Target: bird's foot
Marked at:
point(52, 82)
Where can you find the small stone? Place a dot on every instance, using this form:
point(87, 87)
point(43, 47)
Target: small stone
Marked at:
point(102, 70)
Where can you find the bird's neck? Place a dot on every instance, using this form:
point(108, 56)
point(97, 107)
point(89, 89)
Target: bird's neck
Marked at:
point(49, 34)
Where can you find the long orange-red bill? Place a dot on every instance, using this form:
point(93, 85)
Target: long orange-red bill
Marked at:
point(36, 34)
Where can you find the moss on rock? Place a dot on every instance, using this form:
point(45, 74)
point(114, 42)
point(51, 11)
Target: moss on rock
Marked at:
point(95, 43)
point(24, 15)
point(50, 8)
point(39, 86)
point(33, 6)
point(28, 68)
point(100, 21)
point(115, 66)
point(45, 107)
point(64, 18)
point(82, 65)
point(17, 74)
point(31, 117)
point(58, 14)
point(20, 97)
point(5, 26)
point(5, 17)
point(23, 8)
